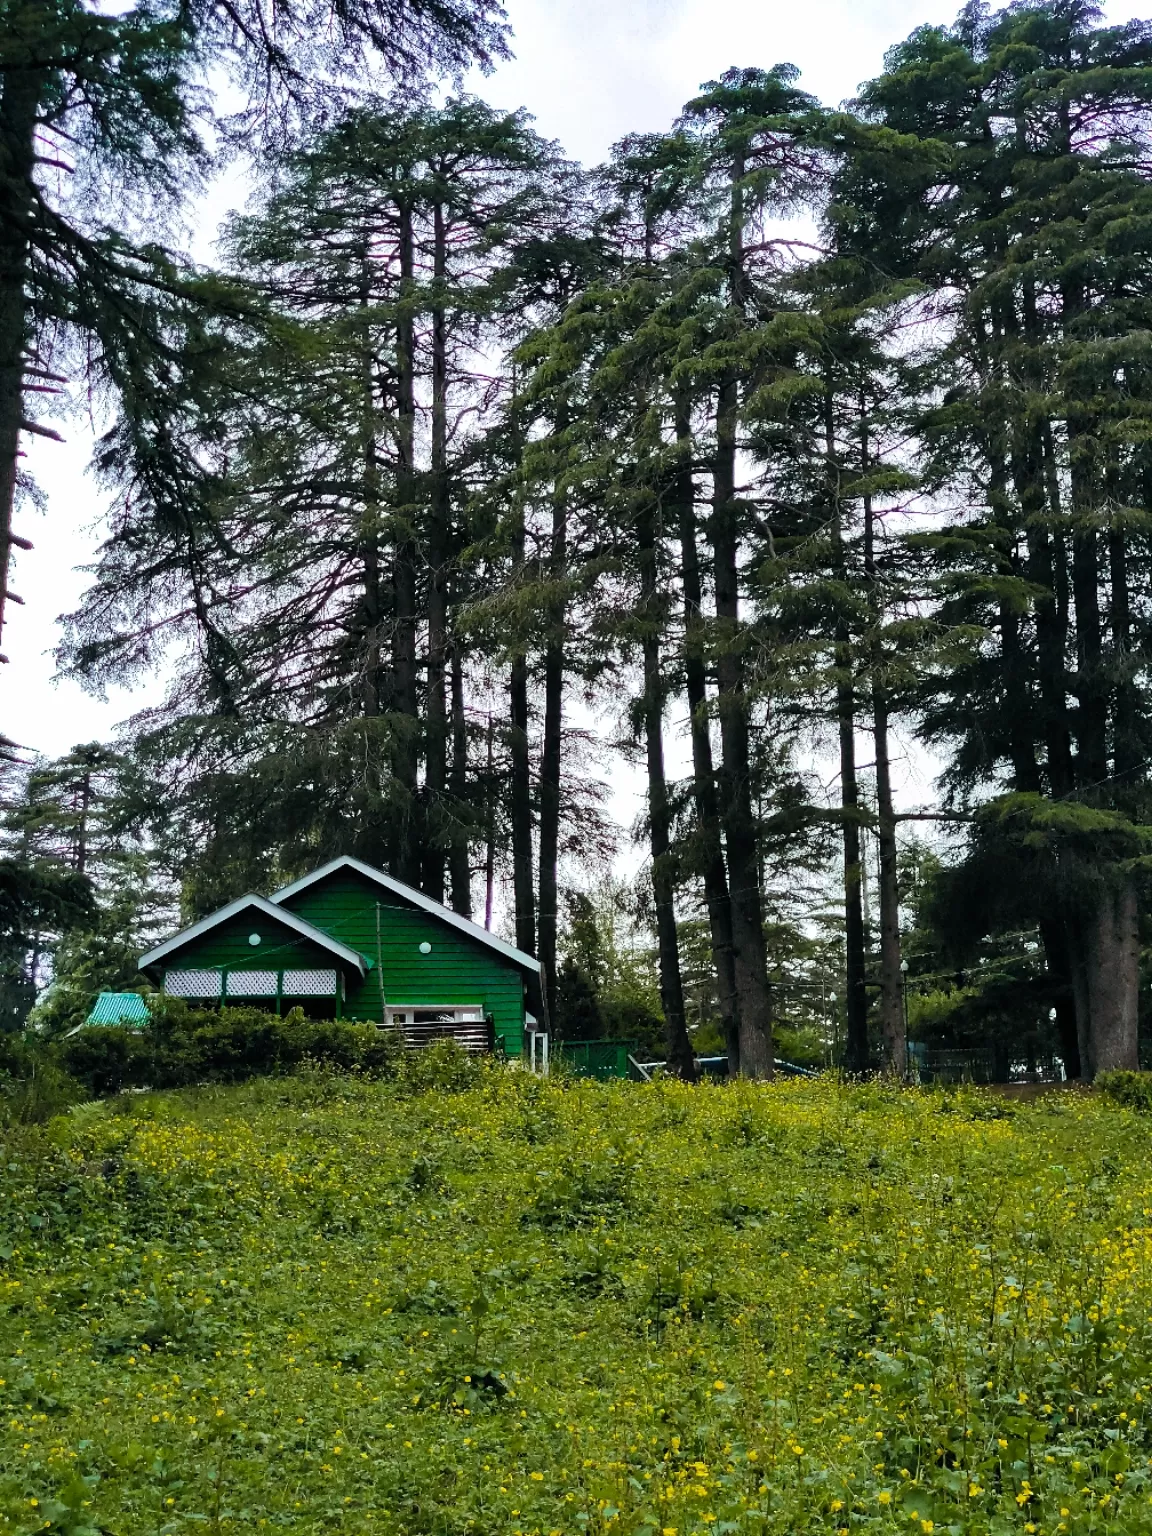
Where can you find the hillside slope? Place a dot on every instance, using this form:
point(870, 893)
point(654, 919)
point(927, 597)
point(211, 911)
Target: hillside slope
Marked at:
point(526, 1307)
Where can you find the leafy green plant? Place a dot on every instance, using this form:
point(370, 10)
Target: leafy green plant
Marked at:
point(33, 1084)
point(1132, 1089)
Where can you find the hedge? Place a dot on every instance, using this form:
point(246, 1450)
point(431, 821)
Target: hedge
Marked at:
point(183, 1046)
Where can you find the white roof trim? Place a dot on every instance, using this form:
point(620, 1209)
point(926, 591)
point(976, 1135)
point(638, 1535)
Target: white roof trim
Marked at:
point(464, 925)
point(278, 914)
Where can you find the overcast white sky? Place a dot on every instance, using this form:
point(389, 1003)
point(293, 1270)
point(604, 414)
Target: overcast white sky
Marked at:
point(590, 71)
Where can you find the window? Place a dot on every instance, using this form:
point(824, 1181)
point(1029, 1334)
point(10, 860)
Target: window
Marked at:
point(424, 1023)
point(433, 1013)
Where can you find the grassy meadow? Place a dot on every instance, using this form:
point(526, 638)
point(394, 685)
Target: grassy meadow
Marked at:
point(562, 1308)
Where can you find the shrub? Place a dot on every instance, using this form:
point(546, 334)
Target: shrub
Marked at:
point(33, 1084)
point(444, 1065)
point(183, 1046)
point(106, 1060)
point(1132, 1089)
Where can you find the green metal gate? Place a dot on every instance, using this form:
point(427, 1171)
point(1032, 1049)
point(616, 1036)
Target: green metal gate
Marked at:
point(595, 1058)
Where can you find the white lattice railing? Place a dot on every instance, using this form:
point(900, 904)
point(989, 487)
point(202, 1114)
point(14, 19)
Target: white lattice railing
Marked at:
point(252, 983)
point(309, 984)
point(207, 984)
point(193, 984)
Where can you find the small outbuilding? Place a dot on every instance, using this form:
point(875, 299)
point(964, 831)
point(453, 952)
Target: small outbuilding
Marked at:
point(127, 1009)
point(350, 942)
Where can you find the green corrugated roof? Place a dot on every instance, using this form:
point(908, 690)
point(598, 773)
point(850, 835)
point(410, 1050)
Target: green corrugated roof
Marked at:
point(119, 1008)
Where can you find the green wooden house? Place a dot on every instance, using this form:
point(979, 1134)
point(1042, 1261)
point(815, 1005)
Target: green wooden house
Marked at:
point(348, 941)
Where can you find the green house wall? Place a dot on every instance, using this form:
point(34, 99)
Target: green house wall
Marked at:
point(459, 969)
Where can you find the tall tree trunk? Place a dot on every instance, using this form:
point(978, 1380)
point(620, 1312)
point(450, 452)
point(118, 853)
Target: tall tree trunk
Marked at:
point(371, 680)
point(1051, 634)
point(1126, 753)
point(1037, 487)
point(1019, 704)
point(1089, 686)
point(520, 781)
point(523, 891)
point(1038, 497)
point(1048, 565)
point(404, 695)
point(1115, 1017)
point(856, 993)
point(753, 994)
point(550, 749)
point(80, 863)
point(436, 723)
point(490, 828)
point(1077, 950)
point(1059, 743)
point(1110, 934)
point(703, 768)
point(18, 107)
point(1024, 715)
point(1025, 773)
point(892, 1024)
point(460, 867)
point(1113, 956)
point(680, 1056)
point(375, 684)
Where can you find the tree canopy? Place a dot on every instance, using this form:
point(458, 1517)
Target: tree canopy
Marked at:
point(785, 442)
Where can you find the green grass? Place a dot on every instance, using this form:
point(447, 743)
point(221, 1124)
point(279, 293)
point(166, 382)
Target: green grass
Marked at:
point(317, 1304)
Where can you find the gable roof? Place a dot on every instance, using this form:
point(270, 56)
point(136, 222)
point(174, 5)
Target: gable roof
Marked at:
point(427, 904)
point(317, 936)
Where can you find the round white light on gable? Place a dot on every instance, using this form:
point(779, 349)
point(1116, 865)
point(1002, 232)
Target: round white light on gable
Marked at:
point(425, 948)
point(253, 939)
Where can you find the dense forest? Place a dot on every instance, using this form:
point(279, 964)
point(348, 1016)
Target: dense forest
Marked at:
point(789, 445)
